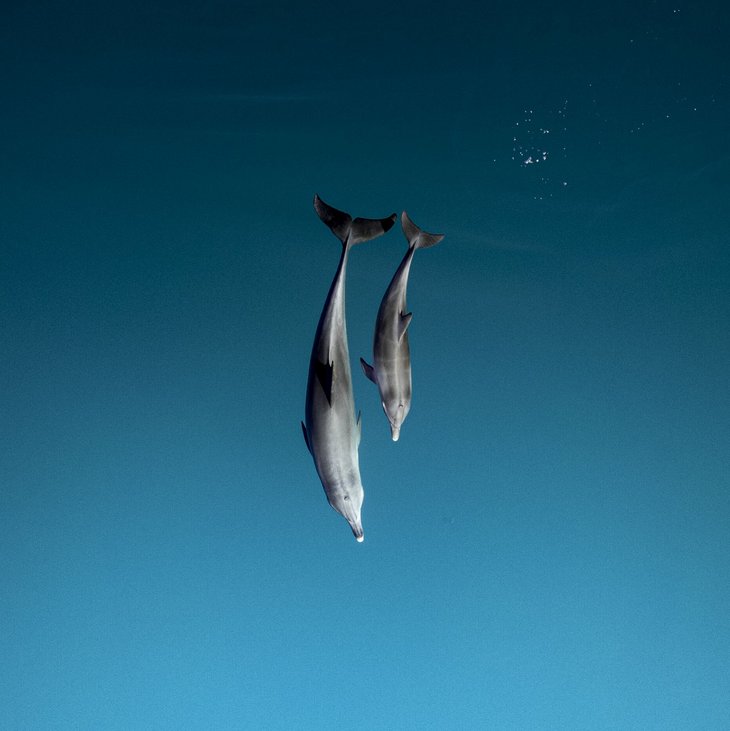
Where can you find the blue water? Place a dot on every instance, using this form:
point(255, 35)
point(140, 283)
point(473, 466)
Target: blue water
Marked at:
point(547, 544)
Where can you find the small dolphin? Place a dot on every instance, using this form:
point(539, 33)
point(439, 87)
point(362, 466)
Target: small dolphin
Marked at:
point(391, 369)
point(330, 430)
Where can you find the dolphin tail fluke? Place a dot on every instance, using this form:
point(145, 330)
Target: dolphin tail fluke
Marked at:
point(364, 229)
point(416, 237)
point(348, 230)
point(339, 222)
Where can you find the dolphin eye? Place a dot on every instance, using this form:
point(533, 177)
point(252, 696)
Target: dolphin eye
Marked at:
point(347, 497)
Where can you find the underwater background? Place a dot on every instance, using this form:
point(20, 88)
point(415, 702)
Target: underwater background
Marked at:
point(547, 546)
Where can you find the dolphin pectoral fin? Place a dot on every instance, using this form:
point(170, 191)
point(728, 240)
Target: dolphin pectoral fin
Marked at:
point(324, 376)
point(368, 371)
point(306, 437)
point(359, 427)
point(405, 321)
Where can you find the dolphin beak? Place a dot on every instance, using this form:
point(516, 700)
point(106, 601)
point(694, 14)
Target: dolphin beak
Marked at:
point(356, 526)
point(395, 432)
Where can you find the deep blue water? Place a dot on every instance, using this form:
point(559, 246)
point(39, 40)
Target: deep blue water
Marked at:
point(546, 545)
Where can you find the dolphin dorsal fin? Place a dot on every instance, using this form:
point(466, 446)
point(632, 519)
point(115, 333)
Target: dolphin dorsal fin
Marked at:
point(324, 376)
point(368, 371)
point(403, 323)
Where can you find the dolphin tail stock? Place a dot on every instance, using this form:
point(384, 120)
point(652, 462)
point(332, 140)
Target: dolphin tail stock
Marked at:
point(348, 230)
point(417, 237)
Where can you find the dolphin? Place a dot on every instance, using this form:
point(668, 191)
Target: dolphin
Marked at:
point(331, 432)
point(391, 369)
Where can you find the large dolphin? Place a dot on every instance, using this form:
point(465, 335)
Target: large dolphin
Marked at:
point(330, 430)
point(391, 369)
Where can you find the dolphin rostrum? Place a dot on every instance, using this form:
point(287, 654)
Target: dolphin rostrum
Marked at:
point(391, 369)
point(330, 430)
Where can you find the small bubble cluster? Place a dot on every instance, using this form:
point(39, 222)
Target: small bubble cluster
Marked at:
point(538, 138)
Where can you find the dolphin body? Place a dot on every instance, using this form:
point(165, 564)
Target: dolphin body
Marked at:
point(391, 369)
point(330, 430)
